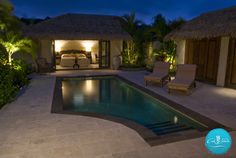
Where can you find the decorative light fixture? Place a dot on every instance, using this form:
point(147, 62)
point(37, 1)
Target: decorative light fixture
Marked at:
point(88, 46)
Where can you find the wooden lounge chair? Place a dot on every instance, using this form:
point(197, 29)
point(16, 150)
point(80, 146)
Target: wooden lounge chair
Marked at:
point(184, 79)
point(160, 73)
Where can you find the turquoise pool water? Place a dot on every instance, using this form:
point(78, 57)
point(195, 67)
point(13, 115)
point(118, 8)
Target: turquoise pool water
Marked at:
point(112, 96)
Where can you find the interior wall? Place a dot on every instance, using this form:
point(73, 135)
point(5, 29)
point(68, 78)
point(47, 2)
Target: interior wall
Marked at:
point(84, 45)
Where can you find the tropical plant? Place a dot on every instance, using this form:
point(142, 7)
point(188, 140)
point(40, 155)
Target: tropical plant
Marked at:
point(130, 23)
point(13, 73)
point(7, 20)
point(160, 28)
point(167, 52)
point(128, 55)
point(170, 48)
point(176, 23)
point(14, 42)
point(135, 47)
point(7, 88)
point(11, 40)
point(12, 78)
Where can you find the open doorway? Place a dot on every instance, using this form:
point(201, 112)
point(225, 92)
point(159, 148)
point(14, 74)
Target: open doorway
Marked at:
point(76, 54)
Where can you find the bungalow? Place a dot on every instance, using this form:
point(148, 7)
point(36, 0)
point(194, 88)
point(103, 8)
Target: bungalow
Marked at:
point(89, 41)
point(210, 42)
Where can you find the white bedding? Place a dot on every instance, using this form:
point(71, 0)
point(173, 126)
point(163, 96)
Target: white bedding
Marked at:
point(70, 59)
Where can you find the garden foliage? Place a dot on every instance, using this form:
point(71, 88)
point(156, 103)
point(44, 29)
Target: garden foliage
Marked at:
point(12, 79)
point(142, 35)
point(13, 73)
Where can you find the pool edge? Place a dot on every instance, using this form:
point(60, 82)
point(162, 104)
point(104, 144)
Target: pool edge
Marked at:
point(151, 138)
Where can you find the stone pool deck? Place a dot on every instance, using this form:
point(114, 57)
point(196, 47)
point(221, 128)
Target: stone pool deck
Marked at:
point(29, 129)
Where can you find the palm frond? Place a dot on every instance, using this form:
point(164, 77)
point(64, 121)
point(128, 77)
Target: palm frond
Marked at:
point(14, 42)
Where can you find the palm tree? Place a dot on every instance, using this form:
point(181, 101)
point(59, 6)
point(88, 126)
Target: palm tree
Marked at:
point(136, 30)
point(176, 23)
point(160, 27)
point(7, 20)
point(130, 23)
point(13, 43)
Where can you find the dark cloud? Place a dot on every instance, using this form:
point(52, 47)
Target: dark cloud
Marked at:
point(145, 9)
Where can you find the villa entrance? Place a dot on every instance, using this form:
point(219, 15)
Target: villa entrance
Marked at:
point(231, 67)
point(81, 54)
point(205, 54)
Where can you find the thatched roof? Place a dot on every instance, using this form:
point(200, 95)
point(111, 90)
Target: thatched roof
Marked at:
point(212, 24)
point(79, 26)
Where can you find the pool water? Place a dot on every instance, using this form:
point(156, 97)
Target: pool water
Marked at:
point(114, 97)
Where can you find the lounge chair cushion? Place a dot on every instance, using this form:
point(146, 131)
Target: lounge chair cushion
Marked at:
point(160, 72)
point(155, 77)
point(185, 77)
point(180, 84)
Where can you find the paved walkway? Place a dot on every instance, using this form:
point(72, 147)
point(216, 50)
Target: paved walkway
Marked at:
point(214, 102)
point(29, 130)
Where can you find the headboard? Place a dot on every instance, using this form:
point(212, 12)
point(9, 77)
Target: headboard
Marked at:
point(72, 51)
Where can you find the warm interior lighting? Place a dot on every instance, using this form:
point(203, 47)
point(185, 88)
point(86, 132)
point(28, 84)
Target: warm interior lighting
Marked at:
point(88, 49)
point(88, 46)
point(93, 55)
point(58, 44)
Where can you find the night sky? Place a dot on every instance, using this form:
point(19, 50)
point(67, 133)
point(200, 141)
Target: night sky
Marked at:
point(145, 9)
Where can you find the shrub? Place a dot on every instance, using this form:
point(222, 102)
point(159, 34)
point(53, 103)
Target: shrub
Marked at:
point(13, 74)
point(20, 71)
point(12, 78)
point(167, 53)
point(133, 66)
point(7, 88)
point(129, 56)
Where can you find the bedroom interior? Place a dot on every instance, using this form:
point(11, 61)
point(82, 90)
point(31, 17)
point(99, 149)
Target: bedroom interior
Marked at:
point(76, 54)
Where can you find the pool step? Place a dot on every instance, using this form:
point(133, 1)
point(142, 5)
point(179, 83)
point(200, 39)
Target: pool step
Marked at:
point(156, 125)
point(168, 131)
point(167, 128)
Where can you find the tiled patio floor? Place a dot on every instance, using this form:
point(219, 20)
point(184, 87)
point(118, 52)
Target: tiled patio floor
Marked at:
point(29, 130)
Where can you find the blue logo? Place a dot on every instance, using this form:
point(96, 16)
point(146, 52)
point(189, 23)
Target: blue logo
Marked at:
point(218, 141)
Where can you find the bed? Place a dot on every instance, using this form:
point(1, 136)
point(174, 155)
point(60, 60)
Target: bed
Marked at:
point(68, 60)
point(82, 60)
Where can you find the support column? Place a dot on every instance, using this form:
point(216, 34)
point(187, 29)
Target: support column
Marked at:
point(180, 51)
point(46, 50)
point(222, 68)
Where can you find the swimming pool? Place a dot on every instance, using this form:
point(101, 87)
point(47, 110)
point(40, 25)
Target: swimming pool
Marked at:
point(112, 97)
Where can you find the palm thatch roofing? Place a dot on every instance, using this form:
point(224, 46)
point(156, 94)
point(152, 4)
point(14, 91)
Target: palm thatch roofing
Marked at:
point(78, 26)
point(208, 25)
